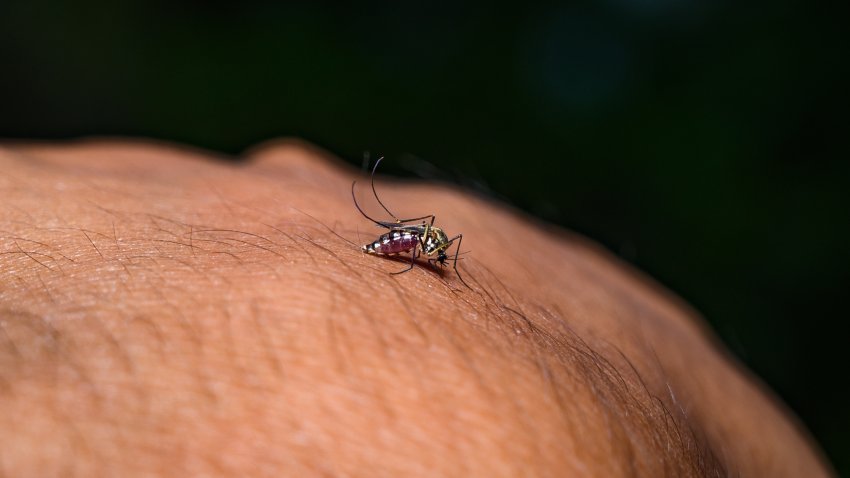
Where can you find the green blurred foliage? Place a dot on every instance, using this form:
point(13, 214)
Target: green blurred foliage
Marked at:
point(705, 142)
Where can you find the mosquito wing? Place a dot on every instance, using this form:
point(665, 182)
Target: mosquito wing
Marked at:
point(394, 226)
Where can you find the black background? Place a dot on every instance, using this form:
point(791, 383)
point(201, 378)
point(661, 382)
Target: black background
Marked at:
point(705, 142)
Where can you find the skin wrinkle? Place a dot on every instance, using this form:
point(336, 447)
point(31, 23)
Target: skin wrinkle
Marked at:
point(516, 407)
point(42, 353)
point(114, 346)
point(410, 311)
point(149, 327)
point(335, 342)
point(269, 350)
point(46, 289)
point(418, 373)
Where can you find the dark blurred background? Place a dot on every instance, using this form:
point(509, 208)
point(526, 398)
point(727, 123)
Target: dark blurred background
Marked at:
point(705, 142)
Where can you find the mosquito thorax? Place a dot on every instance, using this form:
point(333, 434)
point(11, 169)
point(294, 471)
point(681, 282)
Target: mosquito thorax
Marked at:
point(435, 241)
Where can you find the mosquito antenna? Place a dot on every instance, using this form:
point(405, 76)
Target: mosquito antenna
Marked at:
point(359, 208)
point(376, 192)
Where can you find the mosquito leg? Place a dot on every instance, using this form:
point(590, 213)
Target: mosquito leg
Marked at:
point(376, 192)
point(459, 238)
point(361, 210)
point(413, 256)
point(418, 218)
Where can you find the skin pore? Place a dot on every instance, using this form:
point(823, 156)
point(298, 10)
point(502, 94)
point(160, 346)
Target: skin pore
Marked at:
point(167, 313)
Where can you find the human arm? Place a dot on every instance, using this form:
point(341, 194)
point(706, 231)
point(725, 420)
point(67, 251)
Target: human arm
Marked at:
point(167, 313)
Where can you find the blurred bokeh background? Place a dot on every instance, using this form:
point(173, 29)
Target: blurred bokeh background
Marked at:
point(704, 142)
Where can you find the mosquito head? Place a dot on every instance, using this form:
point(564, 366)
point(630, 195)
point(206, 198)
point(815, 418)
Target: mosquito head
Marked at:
point(442, 258)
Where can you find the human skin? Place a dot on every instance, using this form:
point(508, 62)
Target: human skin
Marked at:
point(167, 313)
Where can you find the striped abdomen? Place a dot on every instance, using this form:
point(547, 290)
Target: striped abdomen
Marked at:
point(393, 242)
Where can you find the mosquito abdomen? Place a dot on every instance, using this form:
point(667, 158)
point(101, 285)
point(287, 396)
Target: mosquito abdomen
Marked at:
point(392, 242)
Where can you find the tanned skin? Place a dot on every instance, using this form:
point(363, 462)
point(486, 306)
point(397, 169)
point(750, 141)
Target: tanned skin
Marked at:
point(167, 313)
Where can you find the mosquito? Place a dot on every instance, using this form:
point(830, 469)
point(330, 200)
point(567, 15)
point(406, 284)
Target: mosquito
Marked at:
point(416, 238)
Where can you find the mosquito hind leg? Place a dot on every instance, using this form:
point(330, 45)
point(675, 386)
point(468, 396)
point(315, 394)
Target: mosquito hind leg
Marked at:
point(459, 238)
point(400, 221)
point(374, 168)
point(433, 217)
point(413, 256)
